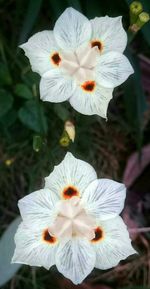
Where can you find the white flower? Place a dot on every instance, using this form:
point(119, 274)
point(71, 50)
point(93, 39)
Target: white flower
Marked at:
point(81, 61)
point(73, 222)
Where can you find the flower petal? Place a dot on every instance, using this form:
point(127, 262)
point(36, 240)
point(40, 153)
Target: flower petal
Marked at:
point(75, 259)
point(89, 103)
point(104, 198)
point(38, 209)
point(56, 86)
point(109, 31)
point(72, 29)
point(115, 245)
point(113, 68)
point(70, 172)
point(39, 49)
point(31, 250)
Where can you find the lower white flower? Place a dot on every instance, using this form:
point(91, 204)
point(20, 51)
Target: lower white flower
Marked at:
point(73, 222)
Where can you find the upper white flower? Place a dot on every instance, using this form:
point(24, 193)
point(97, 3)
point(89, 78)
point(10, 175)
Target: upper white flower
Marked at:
point(81, 60)
point(73, 222)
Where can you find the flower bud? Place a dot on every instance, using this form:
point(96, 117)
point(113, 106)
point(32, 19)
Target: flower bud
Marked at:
point(143, 18)
point(135, 9)
point(70, 129)
point(37, 143)
point(65, 139)
point(9, 162)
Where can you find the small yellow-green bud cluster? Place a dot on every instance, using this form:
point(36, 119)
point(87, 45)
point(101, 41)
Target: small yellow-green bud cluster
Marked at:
point(137, 16)
point(68, 134)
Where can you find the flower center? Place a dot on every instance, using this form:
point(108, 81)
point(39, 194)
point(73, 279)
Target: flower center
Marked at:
point(80, 64)
point(72, 221)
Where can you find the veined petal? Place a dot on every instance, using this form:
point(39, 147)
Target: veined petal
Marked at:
point(55, 86)
point(115, 244)
point(91, 102)
point(72, 29)
point(109, 31)
point(104, 198)
point(32, 250)
point(71, 174)
point(75, 259)
point(39, 49)
point(38, 208)
point(113, 69)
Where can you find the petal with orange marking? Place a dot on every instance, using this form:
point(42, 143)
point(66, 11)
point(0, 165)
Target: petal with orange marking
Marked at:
point(38, 49)
point(55, 59)
point(69, 192)
point(115, 245)
point(110, 32)
point(91, 102)
point(70, 172)
point(32, 250)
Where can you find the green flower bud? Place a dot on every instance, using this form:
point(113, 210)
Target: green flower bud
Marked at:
point(135, 9)
point(37, 143)
point(65, 139)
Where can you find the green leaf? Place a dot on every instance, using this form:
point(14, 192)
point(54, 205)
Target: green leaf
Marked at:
point(33, 116)
point(61, 111)
point(6, 102)
point(9, 118)
point(5, 77)
point(31, 78)
point(23, 91)
point(30, 19)
point(7, 246)
point(134, 99)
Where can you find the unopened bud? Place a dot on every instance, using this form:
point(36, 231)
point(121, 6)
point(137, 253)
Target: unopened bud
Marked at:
point(9, 162)
point(37, 143)
point(143, 18)
point(135, 9)
point(65, 139)
point(70, 129)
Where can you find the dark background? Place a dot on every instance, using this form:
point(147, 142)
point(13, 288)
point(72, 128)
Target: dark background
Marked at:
point(118, 148)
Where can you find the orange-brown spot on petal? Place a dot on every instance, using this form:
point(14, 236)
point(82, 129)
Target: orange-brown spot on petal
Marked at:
point(98, 44)
point(70, 192)
point(56, 59)
point(99, 235)
point(48, 238)
point(89, 85)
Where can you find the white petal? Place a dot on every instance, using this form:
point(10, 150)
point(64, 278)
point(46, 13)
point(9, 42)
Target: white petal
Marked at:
point(39, 49)
point(112, 69)
point(104, 198)
point(72, 29)
point(70, 171)
point(75, 260)
point(90, 103)
point(115, 246)
point(31, 250)
point(38, 208)
point(110, 32)
point(56, 86)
